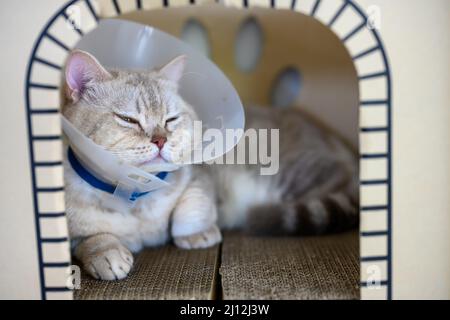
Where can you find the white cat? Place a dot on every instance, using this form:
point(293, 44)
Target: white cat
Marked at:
point(141, 118)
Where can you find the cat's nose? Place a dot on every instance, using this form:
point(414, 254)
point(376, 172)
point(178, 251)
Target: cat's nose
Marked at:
point(159, 141)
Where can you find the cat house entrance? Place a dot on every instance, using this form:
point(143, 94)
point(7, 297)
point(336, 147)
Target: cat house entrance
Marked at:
point(275, 59)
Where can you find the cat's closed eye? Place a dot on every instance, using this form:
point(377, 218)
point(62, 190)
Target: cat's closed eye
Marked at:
point(172, 119)
point(127, 119)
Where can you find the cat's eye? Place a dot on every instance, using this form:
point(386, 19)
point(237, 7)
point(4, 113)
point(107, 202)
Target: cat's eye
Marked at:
point(127, 119)
point(172, 119)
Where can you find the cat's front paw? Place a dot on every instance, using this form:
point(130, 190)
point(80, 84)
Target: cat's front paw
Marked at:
point(199, 240)
point(110, 264)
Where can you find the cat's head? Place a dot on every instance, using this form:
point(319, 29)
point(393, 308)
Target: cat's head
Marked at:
point(138, 115)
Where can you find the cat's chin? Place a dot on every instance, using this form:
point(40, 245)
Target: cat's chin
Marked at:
point(157, 160)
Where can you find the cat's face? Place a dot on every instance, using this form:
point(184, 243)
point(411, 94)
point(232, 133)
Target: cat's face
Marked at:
point(139, 116)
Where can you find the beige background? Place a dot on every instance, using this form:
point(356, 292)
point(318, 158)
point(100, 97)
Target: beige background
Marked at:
point(20, 27)
point(416, 37)
point(329, 79)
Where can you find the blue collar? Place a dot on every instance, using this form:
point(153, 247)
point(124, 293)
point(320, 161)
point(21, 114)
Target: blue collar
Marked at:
point(99, 184)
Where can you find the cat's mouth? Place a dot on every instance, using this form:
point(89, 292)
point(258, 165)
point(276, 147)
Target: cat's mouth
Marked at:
point(156, 160)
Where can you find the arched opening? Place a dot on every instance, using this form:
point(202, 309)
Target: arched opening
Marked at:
point(280, 47)
point(322, 73)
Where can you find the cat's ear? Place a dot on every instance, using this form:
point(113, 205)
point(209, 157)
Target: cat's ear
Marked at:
point(81, 69)
point(173, 71)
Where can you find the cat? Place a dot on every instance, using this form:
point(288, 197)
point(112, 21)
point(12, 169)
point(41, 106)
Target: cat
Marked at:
point(140, 116)
point(315, 191)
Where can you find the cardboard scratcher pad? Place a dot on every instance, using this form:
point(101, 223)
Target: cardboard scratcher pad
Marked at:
point(159, 273)
point(290, 268)
point(251, 268)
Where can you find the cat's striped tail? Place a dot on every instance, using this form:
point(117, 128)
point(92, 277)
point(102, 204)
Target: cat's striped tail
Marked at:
point(335, 212)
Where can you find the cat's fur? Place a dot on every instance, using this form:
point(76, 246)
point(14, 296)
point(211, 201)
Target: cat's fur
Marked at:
point(99, 99)
point(315, 190)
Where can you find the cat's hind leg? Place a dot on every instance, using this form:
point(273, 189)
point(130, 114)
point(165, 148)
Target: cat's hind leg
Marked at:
point(104, 257)
point(336, 212)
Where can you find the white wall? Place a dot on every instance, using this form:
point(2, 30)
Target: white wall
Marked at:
point(20, 22)
point(416, 37)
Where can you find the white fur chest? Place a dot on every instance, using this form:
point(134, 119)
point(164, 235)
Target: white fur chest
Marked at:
point(146, 224)
point(154, 211)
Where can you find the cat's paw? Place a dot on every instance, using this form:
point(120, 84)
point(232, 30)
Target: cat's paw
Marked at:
point(199, 240)
point(110, 264)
